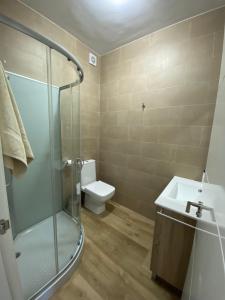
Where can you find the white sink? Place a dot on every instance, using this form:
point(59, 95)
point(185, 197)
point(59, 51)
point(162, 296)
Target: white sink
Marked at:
point(181, 190)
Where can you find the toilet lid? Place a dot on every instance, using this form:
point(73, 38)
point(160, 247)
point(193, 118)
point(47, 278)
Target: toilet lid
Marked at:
point(99, 188)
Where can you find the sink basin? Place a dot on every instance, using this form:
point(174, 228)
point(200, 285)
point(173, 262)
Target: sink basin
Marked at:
point(184, 192)
point(181, 190)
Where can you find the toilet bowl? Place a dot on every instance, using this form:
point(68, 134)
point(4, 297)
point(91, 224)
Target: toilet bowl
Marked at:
point(96, 192)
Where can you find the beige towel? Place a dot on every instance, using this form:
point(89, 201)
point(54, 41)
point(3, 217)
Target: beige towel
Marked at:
point(17, 153)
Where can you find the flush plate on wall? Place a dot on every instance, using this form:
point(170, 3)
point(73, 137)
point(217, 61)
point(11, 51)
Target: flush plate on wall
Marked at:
point(92, 59)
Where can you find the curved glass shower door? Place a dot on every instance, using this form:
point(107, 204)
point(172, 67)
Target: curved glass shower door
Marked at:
point(45, 201)
point(64, 76)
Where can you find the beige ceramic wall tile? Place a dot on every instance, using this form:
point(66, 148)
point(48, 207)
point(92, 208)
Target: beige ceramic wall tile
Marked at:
point(158, 151)
point(180, 135)
point(205, 136)
point(201, 115)
point(207, 23)
point(191, 155)
point(174, 72)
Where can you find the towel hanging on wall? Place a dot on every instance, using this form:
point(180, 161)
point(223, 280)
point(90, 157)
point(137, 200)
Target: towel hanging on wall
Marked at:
point(16, 149)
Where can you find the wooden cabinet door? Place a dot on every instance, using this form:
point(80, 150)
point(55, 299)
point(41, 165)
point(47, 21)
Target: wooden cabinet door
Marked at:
point(172, 247)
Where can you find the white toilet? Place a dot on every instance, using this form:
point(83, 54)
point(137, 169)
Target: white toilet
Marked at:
point(96, 192)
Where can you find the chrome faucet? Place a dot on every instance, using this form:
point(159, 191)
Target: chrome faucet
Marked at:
point(200, 206)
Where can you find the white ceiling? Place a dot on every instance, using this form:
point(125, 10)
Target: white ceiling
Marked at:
point(105, 25)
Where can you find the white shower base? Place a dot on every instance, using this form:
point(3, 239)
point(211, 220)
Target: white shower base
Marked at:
point(37, 260)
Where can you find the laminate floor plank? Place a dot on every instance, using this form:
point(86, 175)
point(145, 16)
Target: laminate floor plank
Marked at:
point(116, 259)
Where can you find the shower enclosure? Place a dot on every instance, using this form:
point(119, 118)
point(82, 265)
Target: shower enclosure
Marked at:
point(44, 203)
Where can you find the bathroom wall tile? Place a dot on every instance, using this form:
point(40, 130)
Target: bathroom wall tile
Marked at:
point(135, 133)
point(140, 178)
point(207, 23)
point(170, 169)
point(123, 199)
point(90, 103)
point(66, 148)
point(195, 93)
point(217, 43)
point(175, 53)
point(114, 158)
point(145, 164)
point(165, 168)
point(111, 59)
point(138, 98)
point(147, 206)
point(133, 147)
point(89, 131)
point(206, 70)
point(212, 91)
point(205, 136)
point(108, 118)
point(82, 50)
point(163, 116)
point(149, 134)
point(115, 171)
point(122, 118)
point(164, 97)
point(168, 77)
point(191, 93)
point(180, 135)
point(156, 59)
point(140, 65)
point(133, 83)
point(140, 198)
point(158, 151)
point(115, 72)
point(31, 54)
point(104, 104)
point(188, 171)
point(115, 145)
point(109, 89)
point(119, 102)
point(178, 32)
point(174, 72)
point(201, 47)
point(134, 49)
point(114, 132)
point(135, 118)
point(192, 155)
point(197, 115)
point(90, 117)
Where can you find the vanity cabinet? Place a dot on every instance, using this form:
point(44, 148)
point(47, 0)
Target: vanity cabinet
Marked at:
point(171, 249)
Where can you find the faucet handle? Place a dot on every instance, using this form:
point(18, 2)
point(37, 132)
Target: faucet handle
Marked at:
point(200, 206)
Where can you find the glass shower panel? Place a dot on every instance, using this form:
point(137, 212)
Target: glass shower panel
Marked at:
point(68, 221)
point(30, 195)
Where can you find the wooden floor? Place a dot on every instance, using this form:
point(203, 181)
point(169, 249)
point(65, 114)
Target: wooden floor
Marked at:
point(116, 259)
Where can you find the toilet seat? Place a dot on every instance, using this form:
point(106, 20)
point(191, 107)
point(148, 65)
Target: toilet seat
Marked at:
point(99, 190)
